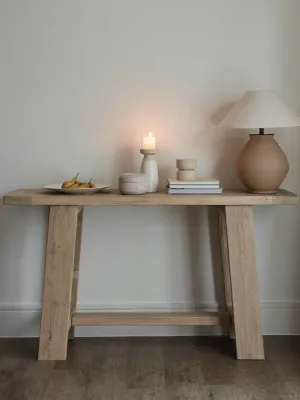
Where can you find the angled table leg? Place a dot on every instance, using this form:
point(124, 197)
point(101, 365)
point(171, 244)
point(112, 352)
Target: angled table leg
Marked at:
point(241, 282)
point(76, 270)
point(60, 260)
point(226, 271)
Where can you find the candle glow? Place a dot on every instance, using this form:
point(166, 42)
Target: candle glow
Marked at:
point(149, 142)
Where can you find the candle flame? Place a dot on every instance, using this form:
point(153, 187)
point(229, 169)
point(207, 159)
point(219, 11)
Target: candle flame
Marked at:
point(150, 134)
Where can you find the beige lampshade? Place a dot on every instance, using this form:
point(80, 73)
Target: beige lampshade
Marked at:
point(260, 109)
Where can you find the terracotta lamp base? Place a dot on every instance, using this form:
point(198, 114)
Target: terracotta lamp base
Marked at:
point(262, 165)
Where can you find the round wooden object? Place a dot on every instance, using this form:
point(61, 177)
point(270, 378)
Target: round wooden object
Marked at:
point(186, 175)
point(133, 183)
point(186, 163)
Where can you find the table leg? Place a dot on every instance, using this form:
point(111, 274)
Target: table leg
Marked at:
point(76, 270)
point(226, 271)
point(60, 260)
point(241, 283)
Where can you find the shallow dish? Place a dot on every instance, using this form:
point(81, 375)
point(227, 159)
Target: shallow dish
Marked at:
point(56, 187)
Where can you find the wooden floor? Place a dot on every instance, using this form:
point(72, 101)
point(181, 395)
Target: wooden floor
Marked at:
point(150, 368)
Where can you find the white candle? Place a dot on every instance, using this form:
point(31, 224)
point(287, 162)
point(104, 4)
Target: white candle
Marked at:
point(149, 142)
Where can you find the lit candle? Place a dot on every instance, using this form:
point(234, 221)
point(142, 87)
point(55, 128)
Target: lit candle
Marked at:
point(149, 142)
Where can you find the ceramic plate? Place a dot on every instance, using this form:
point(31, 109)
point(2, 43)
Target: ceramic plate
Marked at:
point(57, 188)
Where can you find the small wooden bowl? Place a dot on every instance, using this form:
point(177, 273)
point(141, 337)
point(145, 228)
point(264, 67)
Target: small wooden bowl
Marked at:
point(130, 183)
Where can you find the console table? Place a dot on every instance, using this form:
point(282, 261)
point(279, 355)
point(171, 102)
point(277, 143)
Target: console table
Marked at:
point(59, 316)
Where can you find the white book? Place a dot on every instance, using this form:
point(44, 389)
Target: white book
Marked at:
point(209, 181)
point(196, 186)
point(195, 191)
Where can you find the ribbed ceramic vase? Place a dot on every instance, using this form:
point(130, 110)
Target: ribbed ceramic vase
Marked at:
point(262, 165)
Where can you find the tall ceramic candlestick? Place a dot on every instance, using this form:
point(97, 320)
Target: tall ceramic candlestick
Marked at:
point(149, 168)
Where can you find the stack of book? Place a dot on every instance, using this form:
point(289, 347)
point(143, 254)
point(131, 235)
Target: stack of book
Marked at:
point(201, 186)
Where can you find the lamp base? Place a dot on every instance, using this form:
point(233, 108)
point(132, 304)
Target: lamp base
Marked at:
point(262, 165)
point(263, 191)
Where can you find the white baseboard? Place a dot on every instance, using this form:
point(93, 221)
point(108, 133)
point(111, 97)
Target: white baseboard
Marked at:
point(279, 318)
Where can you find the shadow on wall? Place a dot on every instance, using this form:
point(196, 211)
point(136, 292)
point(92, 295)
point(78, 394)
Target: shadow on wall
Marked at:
point(124, 161)
point(196, 242)
point(219, 154)
point(164, 173)
point(228, 144)
point(289, 89)
point(19, 252)
point(11, 244)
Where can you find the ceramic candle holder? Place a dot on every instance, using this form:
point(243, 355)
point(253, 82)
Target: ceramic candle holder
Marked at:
point(149, 168)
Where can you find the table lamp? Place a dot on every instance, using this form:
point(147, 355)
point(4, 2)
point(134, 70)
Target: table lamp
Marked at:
point(262, 165)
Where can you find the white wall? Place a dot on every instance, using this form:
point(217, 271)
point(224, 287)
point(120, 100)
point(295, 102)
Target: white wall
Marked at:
point(81, 82)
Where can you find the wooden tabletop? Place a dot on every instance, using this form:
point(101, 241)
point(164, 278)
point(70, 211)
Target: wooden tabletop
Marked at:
point(41, 197)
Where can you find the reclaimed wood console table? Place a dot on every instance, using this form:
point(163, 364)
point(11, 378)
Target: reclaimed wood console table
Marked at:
point(59, 315)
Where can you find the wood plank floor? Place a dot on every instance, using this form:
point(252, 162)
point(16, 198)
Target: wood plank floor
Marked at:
point(199, 368)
